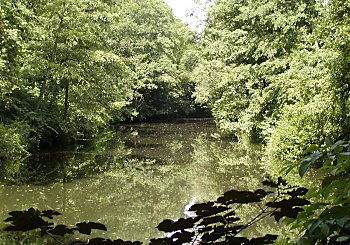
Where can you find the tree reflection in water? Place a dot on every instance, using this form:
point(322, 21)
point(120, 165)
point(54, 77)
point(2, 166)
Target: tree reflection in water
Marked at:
point(134, 177)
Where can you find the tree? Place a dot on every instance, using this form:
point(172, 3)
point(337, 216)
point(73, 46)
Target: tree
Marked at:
point(73, 70)
point(14, 27)
point(247, 44)
point(152, 43)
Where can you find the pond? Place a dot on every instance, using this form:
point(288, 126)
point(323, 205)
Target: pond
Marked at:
point(132, 177)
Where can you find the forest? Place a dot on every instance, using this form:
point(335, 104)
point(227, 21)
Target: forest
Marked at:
point(273, 73)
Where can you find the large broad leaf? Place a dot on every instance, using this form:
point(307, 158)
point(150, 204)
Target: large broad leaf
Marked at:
point(298, 192)
point(288, 203)
point(286, 212)
point(237, 240)
point(201, 206)
point(104, 241)
point(26, 220)
point(234, 196)
point(213, 236)
point(211, 211)
point(183, 237)
point(161, 241)
point(97, 226)
point(60, 230)
point(267, 239)
point(49, 213)
point(171, 225)
point(213, 220)
point(303, 168)
point(84, 228)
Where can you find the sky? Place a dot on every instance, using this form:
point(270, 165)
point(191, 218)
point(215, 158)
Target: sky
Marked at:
point(183, 8)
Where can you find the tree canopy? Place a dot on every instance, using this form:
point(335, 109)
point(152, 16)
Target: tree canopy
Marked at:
point(272, 71)
point(70, 68)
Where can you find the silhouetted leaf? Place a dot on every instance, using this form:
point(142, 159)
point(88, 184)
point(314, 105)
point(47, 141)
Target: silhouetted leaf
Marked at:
point(270, 183)
point(232, 220)
point(220, 229)
point(121, 242)
point(11, 228)
point(261, 193)
point(201, 206)
point(282, 181)
point(267, 239)
point(212, 237)
point(288, 203)
point(166, 225)
point(161, 241)
point(26, 220)
point(84, 228)
point(104, 241)
point(234, 229)
point(100, 241)
point(237, 240)
point(231, 213)
point(286, 212)
point(60, 230)
point(298, 192)
point(183, 236)
point(211, 211)
point(8, 219)
point(170, 225)
point(49, 213)
point(205, 229)
point(97, 226)
point(213, 220)
point(182, 223)
point(16, 213)
point(78, 243)
point(234, 196)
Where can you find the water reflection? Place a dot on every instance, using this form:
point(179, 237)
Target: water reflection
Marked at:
point(135, 176)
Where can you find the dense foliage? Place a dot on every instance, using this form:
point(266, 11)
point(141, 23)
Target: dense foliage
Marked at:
point(273, 71)
point(70, 68)
point(277, 72)
point(327, 219)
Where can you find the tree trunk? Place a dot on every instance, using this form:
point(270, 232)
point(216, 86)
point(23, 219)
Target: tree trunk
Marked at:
point(41, 95)
point(66, 99)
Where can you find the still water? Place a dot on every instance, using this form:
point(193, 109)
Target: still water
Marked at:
point(132, 177)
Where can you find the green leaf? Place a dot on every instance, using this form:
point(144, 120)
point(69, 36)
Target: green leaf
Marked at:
point(341, 221)
point(336, 144)
point(343, 238)
point(303, 168)
point(314, 226)
point(324, 229)
point(328, 141)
